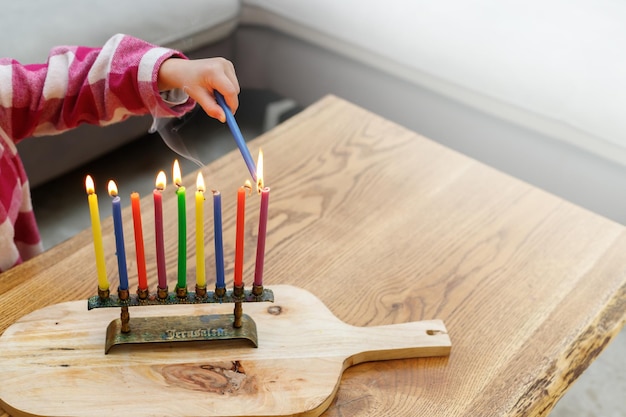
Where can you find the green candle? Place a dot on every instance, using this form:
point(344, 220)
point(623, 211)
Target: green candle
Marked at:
point(182, 228)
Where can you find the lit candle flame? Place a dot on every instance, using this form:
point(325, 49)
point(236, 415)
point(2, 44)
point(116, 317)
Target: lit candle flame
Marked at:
point(89, 185)
point(112, 188)
point(177, 176)
point(248, 185)
point(259, 172)
point(200, 183)
point(161, 180)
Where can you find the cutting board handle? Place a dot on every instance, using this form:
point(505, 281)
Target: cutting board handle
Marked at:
point(398, 341)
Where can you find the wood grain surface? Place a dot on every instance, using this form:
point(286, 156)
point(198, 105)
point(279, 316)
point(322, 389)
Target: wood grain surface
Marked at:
point(386, 226)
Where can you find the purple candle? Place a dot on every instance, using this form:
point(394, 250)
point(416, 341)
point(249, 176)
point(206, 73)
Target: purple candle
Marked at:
point(260, 247)
point(158, 229)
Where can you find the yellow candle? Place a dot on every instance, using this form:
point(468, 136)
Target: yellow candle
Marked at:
point(200, 274)
point(98, 247)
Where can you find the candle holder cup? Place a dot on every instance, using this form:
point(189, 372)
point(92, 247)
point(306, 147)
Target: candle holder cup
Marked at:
point(201, 291)
point(142, 293)
point(219, 292)
point(162, 293)
point(257, 290)
point(209, 327)
point(103, 294)
point(181, 292)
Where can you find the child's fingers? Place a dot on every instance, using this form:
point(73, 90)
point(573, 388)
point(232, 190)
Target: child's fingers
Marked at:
point(230, 91)
point(208, 104)
point(210, 75)
point(232, 76)
point(233, 102)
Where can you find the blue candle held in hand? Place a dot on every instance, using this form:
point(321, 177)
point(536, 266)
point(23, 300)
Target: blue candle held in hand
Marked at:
point(219, 245)
point(234, 128)
point(119, 236)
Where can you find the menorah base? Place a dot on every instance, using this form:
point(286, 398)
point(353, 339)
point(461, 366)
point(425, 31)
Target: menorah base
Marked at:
point(184, 328)
point(211, 327)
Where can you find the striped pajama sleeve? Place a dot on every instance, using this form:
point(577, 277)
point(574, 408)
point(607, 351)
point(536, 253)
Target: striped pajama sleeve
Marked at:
point(76, 85)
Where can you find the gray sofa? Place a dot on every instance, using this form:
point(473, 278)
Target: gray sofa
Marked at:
point(532, 88)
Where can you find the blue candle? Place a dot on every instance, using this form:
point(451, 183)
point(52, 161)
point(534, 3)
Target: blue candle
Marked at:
point(234, 128)
point(119, 236)
point(219, 245)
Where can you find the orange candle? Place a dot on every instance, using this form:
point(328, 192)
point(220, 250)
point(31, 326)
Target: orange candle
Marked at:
point(241, 214)
point(141, 256)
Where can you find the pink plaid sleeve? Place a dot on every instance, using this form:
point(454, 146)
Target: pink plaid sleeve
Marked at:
point(19, 236)
point(76, 85)
point(83, 85)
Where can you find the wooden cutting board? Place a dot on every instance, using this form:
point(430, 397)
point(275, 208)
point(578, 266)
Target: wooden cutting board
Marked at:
point(52, 361)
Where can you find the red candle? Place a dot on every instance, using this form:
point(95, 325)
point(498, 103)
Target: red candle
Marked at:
point(241, 213)
point(158, 229)
point(260, 247)
point(141, 256)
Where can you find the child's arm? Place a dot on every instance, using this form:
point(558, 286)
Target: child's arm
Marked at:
point(99, 86)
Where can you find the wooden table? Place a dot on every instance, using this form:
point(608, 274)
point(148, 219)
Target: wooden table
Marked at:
point(386, 226)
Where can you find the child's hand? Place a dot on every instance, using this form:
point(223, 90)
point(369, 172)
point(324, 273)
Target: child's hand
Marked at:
point(200, 78)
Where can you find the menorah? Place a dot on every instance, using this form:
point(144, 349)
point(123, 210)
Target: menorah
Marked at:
point(177, 329)
point(180, 328)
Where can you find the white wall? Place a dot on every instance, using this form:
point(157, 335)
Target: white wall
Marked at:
point(304, 72)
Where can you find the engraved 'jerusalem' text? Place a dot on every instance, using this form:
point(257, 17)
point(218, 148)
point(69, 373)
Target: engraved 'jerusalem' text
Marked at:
point(173, 334)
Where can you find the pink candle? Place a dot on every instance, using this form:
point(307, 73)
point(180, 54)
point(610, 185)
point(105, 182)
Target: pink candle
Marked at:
point(158, 229)
point(260, 247)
